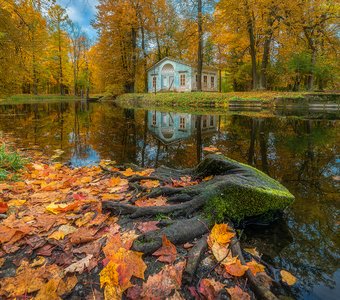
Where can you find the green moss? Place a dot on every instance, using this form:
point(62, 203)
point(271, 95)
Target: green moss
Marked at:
point(242, 202)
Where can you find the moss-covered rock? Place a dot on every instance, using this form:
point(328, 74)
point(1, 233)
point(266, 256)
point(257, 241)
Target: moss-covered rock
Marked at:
point(240, 191)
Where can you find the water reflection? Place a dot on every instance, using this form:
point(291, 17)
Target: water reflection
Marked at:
point(300, 152)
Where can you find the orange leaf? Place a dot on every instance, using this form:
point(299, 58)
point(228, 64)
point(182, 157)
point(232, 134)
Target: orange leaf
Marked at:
point(167, 253)
point(210, 288)
point(221, 234)
point(236, 269)
point(150, 184)
point(236, 293)
point(128, 172)
point(255, 267)
point(287, 277)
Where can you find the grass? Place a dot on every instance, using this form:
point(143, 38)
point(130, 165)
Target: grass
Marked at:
point(201, 99)
point(28, 98)
point(10, 163)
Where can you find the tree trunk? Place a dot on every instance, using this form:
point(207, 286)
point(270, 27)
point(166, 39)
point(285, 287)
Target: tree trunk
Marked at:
point(310, 79)
point(264, 63)
point(250, 27)
point(144, 60)
point(200, 46)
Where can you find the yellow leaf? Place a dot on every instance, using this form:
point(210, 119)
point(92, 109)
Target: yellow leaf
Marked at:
point(16, 202)
point(150, 184)
point(128, 172)
point(255, 267)
point(57, 235)
point(221, 234)
point(287, 277)
point(220, 252)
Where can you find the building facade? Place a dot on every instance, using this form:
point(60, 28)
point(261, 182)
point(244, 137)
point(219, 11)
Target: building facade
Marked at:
point(174, 75)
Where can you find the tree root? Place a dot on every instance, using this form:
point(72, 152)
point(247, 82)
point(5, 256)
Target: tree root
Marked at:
point(259, 290)
point(182, 209)
point(179, 232)
point(194, 258)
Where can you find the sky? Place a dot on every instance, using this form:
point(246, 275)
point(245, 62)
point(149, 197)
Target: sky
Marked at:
point(81, 12)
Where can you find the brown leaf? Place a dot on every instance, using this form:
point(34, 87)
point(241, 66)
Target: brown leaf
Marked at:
point(167, 253)
point(161, 285)
point(144, 227)
point(210, 288)
point(236, 293)
point(79, 266)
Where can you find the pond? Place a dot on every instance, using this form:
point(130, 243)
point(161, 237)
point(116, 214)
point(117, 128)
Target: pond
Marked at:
point(300, 149)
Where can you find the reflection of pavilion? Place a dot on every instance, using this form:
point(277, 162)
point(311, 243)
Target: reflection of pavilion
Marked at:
point(173, 127)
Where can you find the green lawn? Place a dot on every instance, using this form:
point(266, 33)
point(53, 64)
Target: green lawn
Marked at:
point(201, 99)
point(27, 98)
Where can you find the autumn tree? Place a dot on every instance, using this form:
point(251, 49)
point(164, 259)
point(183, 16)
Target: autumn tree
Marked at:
point(58, 20)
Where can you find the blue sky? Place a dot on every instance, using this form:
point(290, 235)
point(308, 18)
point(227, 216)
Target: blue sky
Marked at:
point(81, 12)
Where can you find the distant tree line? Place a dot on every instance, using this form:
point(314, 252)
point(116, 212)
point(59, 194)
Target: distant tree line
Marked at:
point(259, 44)
point(41, 50)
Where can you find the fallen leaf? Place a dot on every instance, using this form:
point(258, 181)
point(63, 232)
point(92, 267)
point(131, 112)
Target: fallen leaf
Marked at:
point(115, 197)
point(252, 251)
point(40, 260)
point(66, 286)
point(255, 267)
point(236, 269)
point(222, 252)
point(128, 172)
point(62, 207)
point(210, 288)
point(49, 290)
point(236, 293)
point(144, 227)
point(149, 184)
point(220, 233)
point(161, 285)
point(79, 266)
point(288, 277)
point(167, 253)
point(208, 178)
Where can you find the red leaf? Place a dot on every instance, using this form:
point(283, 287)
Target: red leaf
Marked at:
point(3, 207)
point(167, 253)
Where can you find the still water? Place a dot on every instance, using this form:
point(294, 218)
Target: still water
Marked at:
point(299, 149)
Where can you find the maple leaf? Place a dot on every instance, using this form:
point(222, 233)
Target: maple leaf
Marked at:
point(167, 253)
point(183, 182)
point(146, 172)
point(220, 233)
point(62, 207)
point(161, 285)
point(210, 288)
point(3, 207)
point(49, 290)
point(236, 269)
point(255, 267)
point(79, 266)
point(150, 184)
point(220, 252)
point(128, 172)
point(236, 293)
point(144, 227)
point(114, 181)
point(287, 277)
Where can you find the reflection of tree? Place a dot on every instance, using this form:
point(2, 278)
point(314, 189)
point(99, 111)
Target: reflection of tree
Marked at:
point(199, 138)
point(129, 137)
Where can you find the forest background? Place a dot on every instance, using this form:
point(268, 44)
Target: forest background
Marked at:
point(257, 45)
